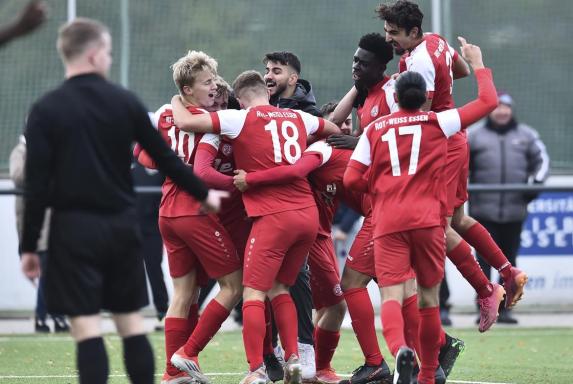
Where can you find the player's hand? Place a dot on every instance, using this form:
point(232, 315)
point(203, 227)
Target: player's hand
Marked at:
point(240, 180)
point(471, 53)
point(340, 235)
point(30, 264)
point(212, 204)
point(31, 17)
point(342, 141)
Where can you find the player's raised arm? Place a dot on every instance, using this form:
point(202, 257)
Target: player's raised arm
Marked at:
point(460, 68)
point(188, 122)
point(344, 107)
point(203, 164)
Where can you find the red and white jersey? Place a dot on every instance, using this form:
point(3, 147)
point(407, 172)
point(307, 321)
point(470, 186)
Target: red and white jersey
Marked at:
point(329, 191)
point(379, 102)
point(265, 137)
point(232, 208)
point(406, 153)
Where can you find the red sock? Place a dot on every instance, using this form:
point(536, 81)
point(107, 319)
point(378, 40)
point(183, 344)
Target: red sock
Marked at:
point(208, 325)
point(481, 240)
point(393, 325)
point(192, 318)
point(430, 330)
point(442, 338)
point(465, 262)
point(268, 343)
point(362, 315)
point(254, 332)
point(287, 324)
point(411, 316)
point(325, 343)
point(176, 334)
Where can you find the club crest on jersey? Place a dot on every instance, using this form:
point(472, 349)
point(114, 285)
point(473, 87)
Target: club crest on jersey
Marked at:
point(337, 290)
point(227, 149)
point(374, 111)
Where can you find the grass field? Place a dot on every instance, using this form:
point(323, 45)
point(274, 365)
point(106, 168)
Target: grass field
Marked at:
point(524, 356)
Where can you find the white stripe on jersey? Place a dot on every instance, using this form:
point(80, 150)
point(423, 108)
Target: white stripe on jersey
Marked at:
point(421, 62)
point(362, 151)
point(390, 91)
point(311, 122)
point(449, 121)
point(321, 147)
point(211, 139)
point(232, 122)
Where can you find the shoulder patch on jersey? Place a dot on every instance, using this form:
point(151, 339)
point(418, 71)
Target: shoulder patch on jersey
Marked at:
point(374, 111)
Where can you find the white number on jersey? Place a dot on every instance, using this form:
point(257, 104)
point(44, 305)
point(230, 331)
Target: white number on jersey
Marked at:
point(390, 138)
point(449, 63)
point(290, 134)
point(177, 142)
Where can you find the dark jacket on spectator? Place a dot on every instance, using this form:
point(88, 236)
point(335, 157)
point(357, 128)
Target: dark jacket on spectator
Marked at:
point(302, 99)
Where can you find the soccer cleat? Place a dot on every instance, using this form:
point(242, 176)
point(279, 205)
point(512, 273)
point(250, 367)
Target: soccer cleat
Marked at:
point(280, 354)
point(293, 371)
point(489, 307)
point(326, 376)
point(40, 326)
point(379, 374)
point(60, 324)
point(179, 378)
point(404, 366)
point(189, 364)
point(449, 353)
point(440, 376)
point(258, 376)
point(307, 361)
point(514, 288)
point(274, 367)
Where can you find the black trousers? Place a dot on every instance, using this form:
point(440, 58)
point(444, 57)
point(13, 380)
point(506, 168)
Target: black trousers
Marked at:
point(152, 250)
point(508, 238)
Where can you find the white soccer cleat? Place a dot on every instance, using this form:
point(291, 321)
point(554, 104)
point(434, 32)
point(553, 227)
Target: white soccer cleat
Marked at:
point(307, 361)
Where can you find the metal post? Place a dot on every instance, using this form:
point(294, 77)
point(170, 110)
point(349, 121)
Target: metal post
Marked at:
point(437, 16)
point(124, 58)
point(71, 10)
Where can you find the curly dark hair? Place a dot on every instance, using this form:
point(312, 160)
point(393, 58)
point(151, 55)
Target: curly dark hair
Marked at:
point(328, 108)
point(403, 14)
point(376, 44)
point(284, 58)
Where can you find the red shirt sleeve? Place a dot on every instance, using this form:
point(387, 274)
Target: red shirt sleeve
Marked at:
point(353, 176)
point(320, 128)
point(216, 122)
point(286, 173)
point(484, 104)
point(146, 160)
point(203, 167)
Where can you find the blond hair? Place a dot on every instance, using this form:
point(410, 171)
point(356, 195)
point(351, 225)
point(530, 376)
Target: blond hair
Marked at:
point(77, 35)
point(249, 82)
point(186, 69)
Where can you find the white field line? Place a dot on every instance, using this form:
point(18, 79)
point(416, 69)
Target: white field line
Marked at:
point(208, 374)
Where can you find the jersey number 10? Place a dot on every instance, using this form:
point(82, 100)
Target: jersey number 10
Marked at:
point(390, 138)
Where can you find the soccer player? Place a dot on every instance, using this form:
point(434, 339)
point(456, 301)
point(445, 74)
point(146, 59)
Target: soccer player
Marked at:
point(285, 219)
point(79, 139)
point(197, 244)
point(406, 153)
point(288, 90)
point(431, 56)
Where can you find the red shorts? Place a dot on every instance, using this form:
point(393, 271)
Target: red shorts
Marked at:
point(198, 241)
point(324, 273)
point(457, 172)
point(419, 253)
point(278, 246)
point(361, 255)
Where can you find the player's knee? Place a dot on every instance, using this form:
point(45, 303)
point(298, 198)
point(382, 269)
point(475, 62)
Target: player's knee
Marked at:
point(428, 297)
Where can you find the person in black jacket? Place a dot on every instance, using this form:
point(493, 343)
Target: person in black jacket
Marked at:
point(288, 90)
point(79, 139)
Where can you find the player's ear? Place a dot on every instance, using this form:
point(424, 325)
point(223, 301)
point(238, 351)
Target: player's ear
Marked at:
point(414, 32)
point(187, 91)
point(293, 78)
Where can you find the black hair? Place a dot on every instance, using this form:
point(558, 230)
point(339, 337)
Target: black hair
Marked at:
point(376, 44)
point(403, 14)
point(410, 90)
point(328, 108)
point(284, 58)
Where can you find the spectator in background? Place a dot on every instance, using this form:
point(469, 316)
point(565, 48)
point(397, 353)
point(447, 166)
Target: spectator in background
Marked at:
point(17, 166)
point(31, 17)
point(502, 150)
point(147, 205)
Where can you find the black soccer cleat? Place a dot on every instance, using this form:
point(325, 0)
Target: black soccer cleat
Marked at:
point(275, 370)
point(449, 353)
point(404, 366)
point(440, 376)
point(366, 374)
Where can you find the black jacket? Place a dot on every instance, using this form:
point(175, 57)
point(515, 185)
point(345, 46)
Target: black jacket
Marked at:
point(302, 99)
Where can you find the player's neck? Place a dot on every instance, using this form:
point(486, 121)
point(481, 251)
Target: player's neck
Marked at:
point(257, 102)
point(415, 43)
point(78, 69)
point(288, 92)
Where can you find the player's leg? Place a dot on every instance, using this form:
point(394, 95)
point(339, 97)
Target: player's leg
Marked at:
point(329, 303)
point(153, 256)
point(91, 356)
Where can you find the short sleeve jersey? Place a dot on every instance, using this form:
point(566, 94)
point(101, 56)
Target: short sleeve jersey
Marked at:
point(433, 59)
point(265, 137)
point(407, 156)
point(379, 102)
point(329, 191)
